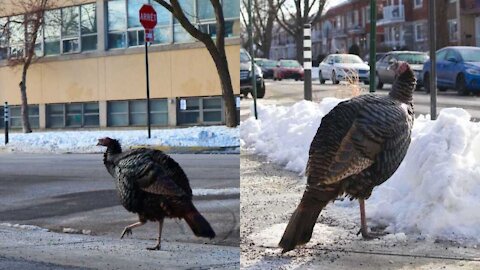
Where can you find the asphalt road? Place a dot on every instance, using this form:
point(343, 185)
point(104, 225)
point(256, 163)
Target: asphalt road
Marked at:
point(58, 191)
point(287, 92)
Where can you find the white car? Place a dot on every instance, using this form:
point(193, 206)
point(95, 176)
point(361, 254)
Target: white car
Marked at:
point(343, 67)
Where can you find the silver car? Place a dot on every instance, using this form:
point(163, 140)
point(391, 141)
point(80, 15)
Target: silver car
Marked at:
point(385, 75)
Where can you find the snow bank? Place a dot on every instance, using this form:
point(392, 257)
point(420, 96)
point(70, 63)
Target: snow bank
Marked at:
point(85, 141)
point(436, 190)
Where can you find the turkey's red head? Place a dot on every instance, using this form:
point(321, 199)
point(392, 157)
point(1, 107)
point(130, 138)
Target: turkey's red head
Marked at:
point(105, 141)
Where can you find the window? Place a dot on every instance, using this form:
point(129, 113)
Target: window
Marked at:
point(367, 14)
point(16, 30)
point(417, 3)
point(70, 29)
point(206, 110)
point(441, 55)
point(3, 38)
point(452, 30)
point(16, 116)
point(134, 112)
point(124, 29)
point(52, 32)
point(73, 115)
point(88, 25)
point(420, 32)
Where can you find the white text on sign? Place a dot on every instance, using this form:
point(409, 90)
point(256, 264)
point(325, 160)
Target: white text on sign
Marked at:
point(148, 17)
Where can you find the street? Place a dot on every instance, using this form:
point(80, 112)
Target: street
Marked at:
point(74, 192)
point(287, 92)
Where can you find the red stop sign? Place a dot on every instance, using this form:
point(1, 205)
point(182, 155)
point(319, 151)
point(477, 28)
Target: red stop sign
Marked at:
point(148, 17)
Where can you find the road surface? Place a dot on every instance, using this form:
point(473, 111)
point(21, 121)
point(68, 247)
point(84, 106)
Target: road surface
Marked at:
point(287, 92)
point(74, 192)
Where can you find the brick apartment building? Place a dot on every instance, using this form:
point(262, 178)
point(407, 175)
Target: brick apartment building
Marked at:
point(401, 24)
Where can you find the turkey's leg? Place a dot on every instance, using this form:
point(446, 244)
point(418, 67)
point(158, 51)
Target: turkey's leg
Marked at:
point(128, 229)
point(363, 221)
point(159, 242)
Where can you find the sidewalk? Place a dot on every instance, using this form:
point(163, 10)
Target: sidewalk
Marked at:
point(35, 248)
point(270, 194)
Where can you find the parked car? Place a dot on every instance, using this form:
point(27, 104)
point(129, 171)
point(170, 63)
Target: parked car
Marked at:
point(341, 67)
point(267, 67)
point(366, 58)
point(288, 69)
point(458, 67)
point(386, 75)
point(246, 73)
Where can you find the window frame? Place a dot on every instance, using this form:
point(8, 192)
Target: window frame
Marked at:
point(128, 113)
point(65, 114)
point(201, 110)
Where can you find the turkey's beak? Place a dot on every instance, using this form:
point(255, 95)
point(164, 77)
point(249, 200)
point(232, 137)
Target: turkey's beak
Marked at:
point(99, 143)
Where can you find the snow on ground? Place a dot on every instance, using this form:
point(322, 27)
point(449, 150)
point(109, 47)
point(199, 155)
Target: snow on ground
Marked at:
point(436, 190)
point(85, 141)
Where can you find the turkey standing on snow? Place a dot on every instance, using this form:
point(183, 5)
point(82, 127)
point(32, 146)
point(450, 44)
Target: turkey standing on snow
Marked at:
point(360, 143)
point(153, 185)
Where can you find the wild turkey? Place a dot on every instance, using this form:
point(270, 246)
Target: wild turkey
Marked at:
point(153, 185)
point(359, 145)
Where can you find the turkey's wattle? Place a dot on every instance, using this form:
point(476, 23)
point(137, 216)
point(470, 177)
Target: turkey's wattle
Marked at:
point(151, 184)
point(360, 143)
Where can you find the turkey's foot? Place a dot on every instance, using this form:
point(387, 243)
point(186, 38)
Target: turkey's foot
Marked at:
point(126, 231)
point(370, 235)
point(157, 247)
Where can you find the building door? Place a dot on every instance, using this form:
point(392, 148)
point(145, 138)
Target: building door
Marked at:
point(477, 31)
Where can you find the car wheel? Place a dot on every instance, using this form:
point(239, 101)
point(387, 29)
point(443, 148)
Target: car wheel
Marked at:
point(426, 83)
point(334, 78)
point(378, 82)
point(261, 91)
point(461, 85)
point(320, 77)
point(442, 89)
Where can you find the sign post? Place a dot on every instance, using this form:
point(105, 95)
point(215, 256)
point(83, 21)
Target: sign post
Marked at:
point(6, 116)
point(307, 61)
point(148, 19)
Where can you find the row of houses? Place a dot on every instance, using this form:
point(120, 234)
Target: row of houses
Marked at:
point(401, 24)
point(91, 71)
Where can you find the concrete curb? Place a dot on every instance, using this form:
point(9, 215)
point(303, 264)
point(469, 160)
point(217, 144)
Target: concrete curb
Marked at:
point(191, 149)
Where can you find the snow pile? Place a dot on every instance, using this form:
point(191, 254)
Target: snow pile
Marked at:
point(284, 134)
point(24, 227)
point(85, 141)
point(436, 190)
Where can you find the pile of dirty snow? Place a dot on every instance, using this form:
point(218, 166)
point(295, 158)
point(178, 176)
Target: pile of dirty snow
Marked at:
point(435, 191)
point(85, 141)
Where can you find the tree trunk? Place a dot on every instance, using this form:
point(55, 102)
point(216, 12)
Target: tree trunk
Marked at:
point(221, 64)
point(24, 108)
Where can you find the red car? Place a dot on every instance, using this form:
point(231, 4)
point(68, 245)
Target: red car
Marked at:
point(288, 69)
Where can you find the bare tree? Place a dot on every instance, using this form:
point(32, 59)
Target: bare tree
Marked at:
point(292, 18)
point(265, 14)
point(215, 48)
point(22, 32)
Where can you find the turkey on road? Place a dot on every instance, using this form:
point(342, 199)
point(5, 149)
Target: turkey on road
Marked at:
point(360, 143)
point(153, 185)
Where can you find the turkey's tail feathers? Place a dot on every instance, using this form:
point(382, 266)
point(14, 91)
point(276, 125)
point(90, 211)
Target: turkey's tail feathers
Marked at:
point(300, 227)
point(199, 224)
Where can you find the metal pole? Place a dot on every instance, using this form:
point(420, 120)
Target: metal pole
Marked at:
point(6, 116)
point(254, 77)
point(148, 89)
point(307, 61)
point(373, 40)
point(433, 61)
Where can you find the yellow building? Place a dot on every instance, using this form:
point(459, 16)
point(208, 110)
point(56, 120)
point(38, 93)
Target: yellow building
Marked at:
point(92, 69)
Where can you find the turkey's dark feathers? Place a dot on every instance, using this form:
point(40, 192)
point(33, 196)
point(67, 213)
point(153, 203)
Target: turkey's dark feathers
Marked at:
point(153, 172)
point(353, 134)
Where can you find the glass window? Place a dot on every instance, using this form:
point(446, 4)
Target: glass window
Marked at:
point(3, 38)
point(74, 115)
point(181, 35)
point(116, 40)
point(164, 17)
point(117, 113)
point(70, 22)
point(162, 35)
point(89, 18)
point(89, 43)
point(52, 32)
point(116, 15)
point(159, 112)
point(17, 36)
point(231, 8)
point(200, 110)
point(55, 115)
point(212, 103)
point(188, 8)
point(205, 10)
point(133, 12)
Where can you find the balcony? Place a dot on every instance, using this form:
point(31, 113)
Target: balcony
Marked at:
point(392, 14)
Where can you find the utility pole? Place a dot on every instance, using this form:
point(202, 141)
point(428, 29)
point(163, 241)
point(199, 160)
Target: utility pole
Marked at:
point(433, 61)
point(373, 45)
point(252, 56)
point(307, 61)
